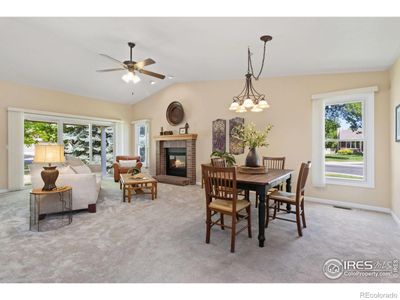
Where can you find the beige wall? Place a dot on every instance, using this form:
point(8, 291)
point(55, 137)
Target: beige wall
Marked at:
point(290, 113)
point(395, 147)
point(53, 101)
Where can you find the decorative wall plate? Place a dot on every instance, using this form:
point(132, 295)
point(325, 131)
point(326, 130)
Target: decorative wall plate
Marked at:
point(175, 113)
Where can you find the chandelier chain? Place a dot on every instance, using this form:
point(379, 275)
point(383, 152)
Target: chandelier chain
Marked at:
point(250, 63)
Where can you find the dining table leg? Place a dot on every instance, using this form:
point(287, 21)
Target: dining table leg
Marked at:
point(261, 214)
point(289, 190)
point(247, 195)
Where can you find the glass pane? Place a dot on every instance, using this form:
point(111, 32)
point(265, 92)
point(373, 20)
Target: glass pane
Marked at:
point(96, 146)
point(344, 147)
point(141, 142)
point(36, 132)
point(109, 148)
point(76, 141)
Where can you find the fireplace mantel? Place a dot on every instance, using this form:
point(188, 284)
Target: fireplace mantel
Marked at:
point(176, 137)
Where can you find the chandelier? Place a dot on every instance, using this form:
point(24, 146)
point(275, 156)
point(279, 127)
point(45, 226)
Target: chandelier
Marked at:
point(249, 98)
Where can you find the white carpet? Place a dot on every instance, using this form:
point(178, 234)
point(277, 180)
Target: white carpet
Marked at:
point(163, 241)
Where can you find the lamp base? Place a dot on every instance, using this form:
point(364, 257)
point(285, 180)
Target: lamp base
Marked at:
point(49, 176)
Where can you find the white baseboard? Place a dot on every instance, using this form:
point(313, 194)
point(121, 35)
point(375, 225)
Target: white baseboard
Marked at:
point(395, 217)
point(348, 204)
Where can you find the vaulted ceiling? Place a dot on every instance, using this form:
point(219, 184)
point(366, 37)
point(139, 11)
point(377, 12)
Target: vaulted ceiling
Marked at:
point(62, 53)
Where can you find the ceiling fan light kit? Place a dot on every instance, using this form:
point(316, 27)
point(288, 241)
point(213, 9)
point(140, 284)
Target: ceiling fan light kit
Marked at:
point(130, 77)
point(132, 67)
point(249, 98)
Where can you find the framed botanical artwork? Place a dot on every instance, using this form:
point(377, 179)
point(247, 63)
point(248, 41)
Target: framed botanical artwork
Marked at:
point(182, 130)
point(397, 117)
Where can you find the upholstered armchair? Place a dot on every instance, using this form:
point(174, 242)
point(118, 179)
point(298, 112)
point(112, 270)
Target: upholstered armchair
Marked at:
point(118, 169)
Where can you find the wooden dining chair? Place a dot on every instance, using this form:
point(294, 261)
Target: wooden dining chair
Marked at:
point(273, 163)
point(296, 200)
point(222, 198)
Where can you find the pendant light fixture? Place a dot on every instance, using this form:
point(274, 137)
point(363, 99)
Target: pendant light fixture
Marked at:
point(249, 98)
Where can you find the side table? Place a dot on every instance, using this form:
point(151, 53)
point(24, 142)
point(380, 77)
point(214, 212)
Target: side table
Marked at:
point(36, 198)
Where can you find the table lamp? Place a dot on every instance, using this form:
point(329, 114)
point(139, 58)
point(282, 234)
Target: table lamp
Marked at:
point(49, 153)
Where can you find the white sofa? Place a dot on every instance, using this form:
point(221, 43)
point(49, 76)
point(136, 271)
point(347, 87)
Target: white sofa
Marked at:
point(85, 188)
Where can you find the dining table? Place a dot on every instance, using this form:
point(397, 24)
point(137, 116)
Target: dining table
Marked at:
point(261, 183)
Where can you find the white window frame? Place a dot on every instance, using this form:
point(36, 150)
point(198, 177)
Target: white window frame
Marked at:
point(367, 97)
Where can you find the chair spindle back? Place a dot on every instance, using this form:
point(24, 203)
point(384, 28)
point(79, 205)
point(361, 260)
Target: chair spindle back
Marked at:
point(274, 162)
point(218, 162)
point(220, 183)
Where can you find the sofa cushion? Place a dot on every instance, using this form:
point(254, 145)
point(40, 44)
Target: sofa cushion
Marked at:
point(128, 163)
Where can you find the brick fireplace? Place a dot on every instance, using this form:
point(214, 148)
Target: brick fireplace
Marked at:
point(176, 157)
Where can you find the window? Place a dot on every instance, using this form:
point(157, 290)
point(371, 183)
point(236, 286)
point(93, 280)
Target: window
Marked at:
point(142, 141)
point(343, 138)
point(344, 141)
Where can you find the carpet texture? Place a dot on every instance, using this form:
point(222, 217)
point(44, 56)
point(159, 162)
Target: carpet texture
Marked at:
point(163, 241)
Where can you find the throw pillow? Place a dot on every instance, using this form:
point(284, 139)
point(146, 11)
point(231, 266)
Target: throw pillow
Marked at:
point(81, 169)
point(65, 170)
point(127, 163)
point(73, 161)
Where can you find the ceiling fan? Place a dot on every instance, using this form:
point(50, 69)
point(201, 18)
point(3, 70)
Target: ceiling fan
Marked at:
point(132, 67)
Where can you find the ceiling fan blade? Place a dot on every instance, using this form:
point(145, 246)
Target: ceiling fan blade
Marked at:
point(151, 74)
point(144, 63)
point(111, 70)
point(112, 58)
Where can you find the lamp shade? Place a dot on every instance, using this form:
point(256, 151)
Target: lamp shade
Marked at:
point(49, 153)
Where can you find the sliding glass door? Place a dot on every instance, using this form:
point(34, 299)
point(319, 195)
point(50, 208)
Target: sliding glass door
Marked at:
point(91, 141)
